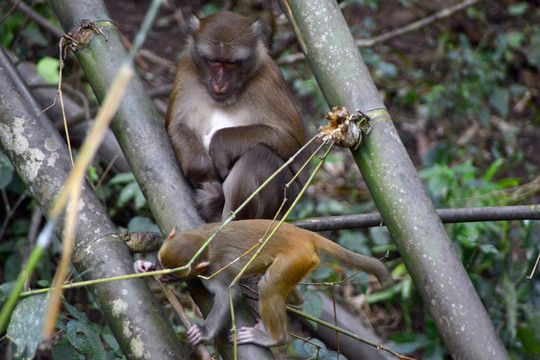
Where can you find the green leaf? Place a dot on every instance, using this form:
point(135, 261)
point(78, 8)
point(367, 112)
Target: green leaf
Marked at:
point(518, 9)
point(304, 350)
point(122, 178)
point(24, 330)
point(5, 289)
point(142, 224)
point(324, 273)
point(500, 100)
point(435, 352)
point(313, 304)
point(516, 39)
point(332, 206)
point(35, 35)
point(83, 338)
point(6, 171)
point(488, 249)
point(93, 174)
point(385, 70)
point(354, 241)
point(384, 295)
point(76, 313)
point(529, 340)
point(380, 236)
point(409, 342)
point(508, 183)
point(48, 68)
point(109, 339)
point(307, 350)
point(210, 8)
point(493, 168)
point(64, 351)
point(127, 194)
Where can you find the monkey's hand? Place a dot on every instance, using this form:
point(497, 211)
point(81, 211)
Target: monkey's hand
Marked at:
point(222, 157)
point(143, 266)
point(195, 335)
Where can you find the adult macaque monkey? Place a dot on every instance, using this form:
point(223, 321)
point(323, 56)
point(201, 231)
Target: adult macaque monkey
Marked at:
point(289, 256)
point(232, 119)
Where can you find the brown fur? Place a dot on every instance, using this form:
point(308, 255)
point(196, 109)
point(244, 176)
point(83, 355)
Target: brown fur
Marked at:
point(247, 93)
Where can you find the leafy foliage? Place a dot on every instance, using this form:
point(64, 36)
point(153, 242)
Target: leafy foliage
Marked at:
point(84, 339)
point(26, 323)
point(497, 255)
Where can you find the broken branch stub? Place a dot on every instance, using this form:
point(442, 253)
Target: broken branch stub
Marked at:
point(346, 130)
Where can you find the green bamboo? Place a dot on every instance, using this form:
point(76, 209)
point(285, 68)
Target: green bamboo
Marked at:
point(407, 211)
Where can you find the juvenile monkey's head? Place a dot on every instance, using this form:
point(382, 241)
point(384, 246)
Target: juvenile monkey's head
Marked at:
point(178, 250)
point(226, 49)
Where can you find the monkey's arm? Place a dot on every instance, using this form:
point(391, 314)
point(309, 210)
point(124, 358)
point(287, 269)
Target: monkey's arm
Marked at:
point(195, 162)
point(218, 317)
point(244, 138)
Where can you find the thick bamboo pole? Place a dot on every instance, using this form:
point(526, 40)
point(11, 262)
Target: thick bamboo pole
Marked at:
point(394, 184)
point(144, 141)
point(41, 159)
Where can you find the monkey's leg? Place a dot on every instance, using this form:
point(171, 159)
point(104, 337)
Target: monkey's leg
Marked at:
point(280, 279)
point(219, 315)
point(247, 174)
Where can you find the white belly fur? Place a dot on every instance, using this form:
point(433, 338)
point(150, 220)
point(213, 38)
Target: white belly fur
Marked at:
point(219, 120)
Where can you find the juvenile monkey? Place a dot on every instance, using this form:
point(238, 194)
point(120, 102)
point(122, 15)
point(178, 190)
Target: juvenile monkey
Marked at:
point(232, 120)
point(290, 255)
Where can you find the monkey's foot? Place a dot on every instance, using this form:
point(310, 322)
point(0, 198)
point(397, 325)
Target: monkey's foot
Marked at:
point(256, 335)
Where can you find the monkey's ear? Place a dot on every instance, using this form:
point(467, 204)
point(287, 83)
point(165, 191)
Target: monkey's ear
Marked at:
point(258, 27)
point(171, 234)
point(201, 267)
point(193, 24)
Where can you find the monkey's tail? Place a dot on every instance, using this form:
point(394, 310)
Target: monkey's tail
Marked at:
point(357, 261)
point(209, 200)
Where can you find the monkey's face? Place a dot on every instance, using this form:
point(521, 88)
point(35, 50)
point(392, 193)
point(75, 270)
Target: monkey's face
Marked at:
point(225, 52)
point(224, 72)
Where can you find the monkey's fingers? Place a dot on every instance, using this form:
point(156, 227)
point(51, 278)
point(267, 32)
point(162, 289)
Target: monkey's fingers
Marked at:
point(143, 266)
point(194, 335)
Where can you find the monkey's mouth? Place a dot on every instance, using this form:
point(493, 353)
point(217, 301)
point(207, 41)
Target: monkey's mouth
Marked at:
point(221, 96)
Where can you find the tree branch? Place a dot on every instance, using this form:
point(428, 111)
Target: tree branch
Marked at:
point(459, 215)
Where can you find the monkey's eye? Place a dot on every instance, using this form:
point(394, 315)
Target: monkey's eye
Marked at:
point(229, 63)
point(210, 61)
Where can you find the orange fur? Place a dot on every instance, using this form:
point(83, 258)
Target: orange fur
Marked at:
point(289, 256)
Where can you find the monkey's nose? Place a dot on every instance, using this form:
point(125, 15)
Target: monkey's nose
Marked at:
point(219, 89)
